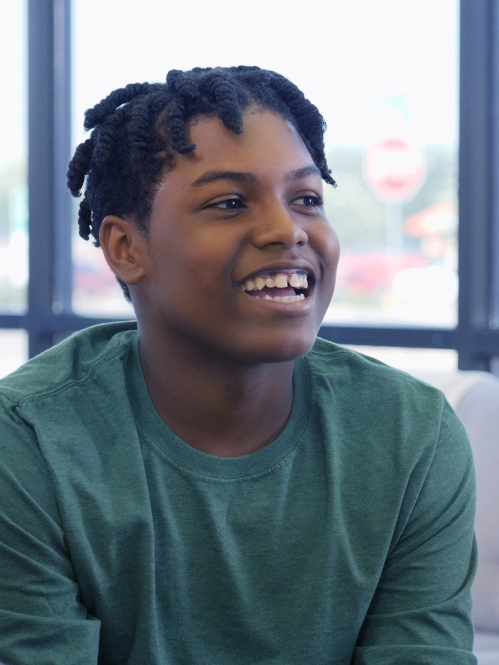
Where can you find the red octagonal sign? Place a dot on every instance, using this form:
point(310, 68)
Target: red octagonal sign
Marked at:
point(395, 169)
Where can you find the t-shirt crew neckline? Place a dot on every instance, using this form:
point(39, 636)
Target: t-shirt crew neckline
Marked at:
point(195, 462)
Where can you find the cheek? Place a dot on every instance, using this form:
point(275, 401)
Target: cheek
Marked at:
point(334, 249)
point(192, 266)
point(327, 246)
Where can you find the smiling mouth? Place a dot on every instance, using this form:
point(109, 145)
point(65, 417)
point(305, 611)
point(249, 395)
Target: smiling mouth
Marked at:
point(289, 287)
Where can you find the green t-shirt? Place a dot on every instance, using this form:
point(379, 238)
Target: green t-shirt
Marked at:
point(348, 539)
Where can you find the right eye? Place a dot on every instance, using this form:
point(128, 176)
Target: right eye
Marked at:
point(232, 203)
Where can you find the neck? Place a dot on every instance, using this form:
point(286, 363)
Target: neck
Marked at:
point(214, 404)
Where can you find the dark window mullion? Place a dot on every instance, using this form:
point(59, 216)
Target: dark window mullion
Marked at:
point(63, 264)
point(494, 231)
point(49, 147)
point(475, 185)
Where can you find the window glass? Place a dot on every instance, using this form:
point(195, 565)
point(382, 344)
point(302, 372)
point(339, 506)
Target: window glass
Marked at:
point(13, 162)
point(13, 350)
point(383, 74)
point(422, 363)
point(395, 159)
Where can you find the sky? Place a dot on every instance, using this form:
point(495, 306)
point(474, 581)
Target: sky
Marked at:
point(372, 68)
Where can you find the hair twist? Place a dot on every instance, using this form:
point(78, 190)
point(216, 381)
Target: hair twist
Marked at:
point(79, 165)
point(85, 219)
point(96, 115)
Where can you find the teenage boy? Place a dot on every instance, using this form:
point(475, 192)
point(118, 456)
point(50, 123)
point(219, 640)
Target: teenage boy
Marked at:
point(212, 484)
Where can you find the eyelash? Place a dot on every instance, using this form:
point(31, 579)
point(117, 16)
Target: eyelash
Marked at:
point(317, 202)
point(220, 204)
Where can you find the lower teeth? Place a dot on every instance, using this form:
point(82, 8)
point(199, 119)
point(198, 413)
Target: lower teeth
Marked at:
point(285, 298)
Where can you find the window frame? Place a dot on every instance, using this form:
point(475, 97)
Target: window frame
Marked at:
point(49, 317)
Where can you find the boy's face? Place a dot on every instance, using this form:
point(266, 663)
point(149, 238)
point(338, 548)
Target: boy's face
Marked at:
point(238, 210)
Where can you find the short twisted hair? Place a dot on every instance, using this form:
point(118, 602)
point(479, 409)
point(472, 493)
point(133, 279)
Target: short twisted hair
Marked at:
point(138, 130)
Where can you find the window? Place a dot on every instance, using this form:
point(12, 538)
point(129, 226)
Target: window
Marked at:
point(383, 74)
point(13, 184)
point(392, 106)
point(381, 88)
point(13, 162)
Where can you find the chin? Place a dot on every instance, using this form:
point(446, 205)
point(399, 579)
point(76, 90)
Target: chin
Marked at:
point(281, 350)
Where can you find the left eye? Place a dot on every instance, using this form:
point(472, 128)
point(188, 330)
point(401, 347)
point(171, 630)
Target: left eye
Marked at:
point(309, 201)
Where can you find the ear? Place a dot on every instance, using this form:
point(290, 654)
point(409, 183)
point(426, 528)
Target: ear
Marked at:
point(124, 247)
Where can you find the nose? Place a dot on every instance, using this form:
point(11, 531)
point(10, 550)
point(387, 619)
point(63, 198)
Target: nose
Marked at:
point(276, 225)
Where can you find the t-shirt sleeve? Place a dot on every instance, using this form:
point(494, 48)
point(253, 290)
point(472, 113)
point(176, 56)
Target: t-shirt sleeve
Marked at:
point(41, 617)
point(421, 611)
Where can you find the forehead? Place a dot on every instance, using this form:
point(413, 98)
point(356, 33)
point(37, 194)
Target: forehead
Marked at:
point(268, 144)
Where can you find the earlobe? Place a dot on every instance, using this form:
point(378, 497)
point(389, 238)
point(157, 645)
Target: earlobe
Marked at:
point(124, 248)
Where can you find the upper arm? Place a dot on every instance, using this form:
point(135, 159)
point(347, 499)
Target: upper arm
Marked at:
point(40, 610)
point(421, 610)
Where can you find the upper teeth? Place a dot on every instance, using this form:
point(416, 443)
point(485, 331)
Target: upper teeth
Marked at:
point(279, 281)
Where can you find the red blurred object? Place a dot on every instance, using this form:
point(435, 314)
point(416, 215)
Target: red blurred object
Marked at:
point(370, 273)
point(395, 169)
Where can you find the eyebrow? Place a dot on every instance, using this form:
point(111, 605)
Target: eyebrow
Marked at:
point(304, 172)
point(214, 176)
point(241, 176)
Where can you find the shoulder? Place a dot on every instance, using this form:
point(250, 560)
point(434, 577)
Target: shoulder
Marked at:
point(72, 362)
point(365, 377)
point(386, 411)
point(395, 439)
